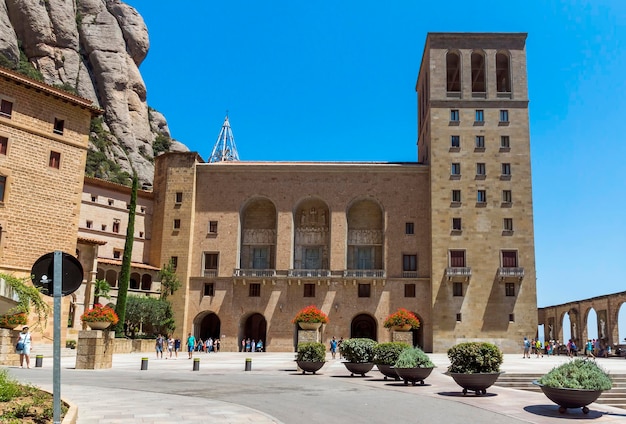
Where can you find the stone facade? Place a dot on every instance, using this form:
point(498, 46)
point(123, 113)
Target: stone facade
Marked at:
point(94, 350)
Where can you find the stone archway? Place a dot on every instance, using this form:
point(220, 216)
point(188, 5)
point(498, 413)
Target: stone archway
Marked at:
point(363, 326)
point(255, 328)
point(210, 326)
point(418, 334)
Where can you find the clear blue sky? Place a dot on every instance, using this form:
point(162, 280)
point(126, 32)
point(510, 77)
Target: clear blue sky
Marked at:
point(335, 80)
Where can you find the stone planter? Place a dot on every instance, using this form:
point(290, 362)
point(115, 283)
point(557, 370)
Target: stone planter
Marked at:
point(98, 325)
point(405, 327)
point(413, 374)
point(359, 367)
point(570, 398)
point(387, 371)
point(310, 325)
point(312, 367)
point(477, 383)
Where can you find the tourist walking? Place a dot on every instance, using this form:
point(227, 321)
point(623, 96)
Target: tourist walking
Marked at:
point(333, 347)
point(158, 346)
point(191, 345)
point(176, 347)
point(24, 343)
point(526, 348)
point(170, 345)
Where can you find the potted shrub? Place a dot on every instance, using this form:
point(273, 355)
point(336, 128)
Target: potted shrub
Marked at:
point(575, 384)
point(99, 317)
point(402, 320)
point(12, 320)
point(475, 366)
point(413, 365)
point(310, 318)
point(359, 353)
point(386, 355)
point(311, 356)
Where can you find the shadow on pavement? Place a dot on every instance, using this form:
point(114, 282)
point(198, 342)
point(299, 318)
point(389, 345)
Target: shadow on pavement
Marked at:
point(470, 394)
point(571, 413)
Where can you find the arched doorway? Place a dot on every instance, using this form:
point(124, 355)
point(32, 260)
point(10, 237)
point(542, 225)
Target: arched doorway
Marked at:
point(363, 326)
point(418, 334)
point(255, 328)
point(210, 326)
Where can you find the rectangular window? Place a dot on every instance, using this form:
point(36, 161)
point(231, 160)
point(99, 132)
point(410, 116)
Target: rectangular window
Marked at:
point(210, 264)
point(94, 198)
point(455, 141)
point(504, 115)
point(480, 115)
point(480, 141)
point(110, 202)
point(116, 225)
point(3, 185)
point(507, 196)
point(511, 317)
point(255, 290)
point(143, 209)
point(508, 224)
point(455, 169)
point(104, 227)
point(481, 170)
point(456, 196)
point(55, 160)
point(179, 197)
point(506, 169)
point(409, 290)
point(213, 227)
point(209, 289)
point(509, 259)
point(174, 262)
point(309, 290)
point(409, 228)
point(89, 224)
point(481, 196)
point(505, 142)
point(409, 262)
point(509, 289)
point(4, 144)
point(140, 234)
point(6, 108)
point(458, 317)
point(457, 258)
point(117, 254)
point(59, 125)
point(456, 224)
point(454, 115)
point(457, 289)
point(365, 290)
point(177, 224)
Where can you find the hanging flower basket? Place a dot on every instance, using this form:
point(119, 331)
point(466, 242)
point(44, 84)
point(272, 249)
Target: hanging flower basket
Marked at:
point(11, 321)
point(310, 315)
point(402, 320)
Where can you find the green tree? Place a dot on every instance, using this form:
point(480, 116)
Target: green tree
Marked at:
point(124, 279)
point(150, 314)
point(101, 288)
point(169, 280)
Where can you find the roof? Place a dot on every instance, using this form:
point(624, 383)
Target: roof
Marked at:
point(91, 241)
point(132, 264)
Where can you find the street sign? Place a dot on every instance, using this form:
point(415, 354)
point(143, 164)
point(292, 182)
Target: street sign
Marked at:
point(43, 273)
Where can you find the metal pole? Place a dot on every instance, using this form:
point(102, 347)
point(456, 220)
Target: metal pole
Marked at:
point(56, 347)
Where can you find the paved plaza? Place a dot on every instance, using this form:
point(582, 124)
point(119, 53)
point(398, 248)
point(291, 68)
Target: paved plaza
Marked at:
point(273, 391)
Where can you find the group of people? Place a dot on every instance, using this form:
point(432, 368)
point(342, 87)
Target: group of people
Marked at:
point(593, 348)
point(335, 345)
point(209, 345)
point(167, 342)
point(248, 345)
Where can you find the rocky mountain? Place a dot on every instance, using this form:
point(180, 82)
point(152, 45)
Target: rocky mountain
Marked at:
point(92, 48)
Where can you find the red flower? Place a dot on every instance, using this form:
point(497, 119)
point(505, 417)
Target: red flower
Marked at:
point(310, 314)
point(402, 317)
point(100, 313)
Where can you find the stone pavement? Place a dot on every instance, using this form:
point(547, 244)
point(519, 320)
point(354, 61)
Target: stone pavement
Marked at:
point(274, 392)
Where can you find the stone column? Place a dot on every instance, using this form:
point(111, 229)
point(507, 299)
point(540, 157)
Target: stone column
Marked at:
point(95, 349)
point(402, 336)
point(305, 336)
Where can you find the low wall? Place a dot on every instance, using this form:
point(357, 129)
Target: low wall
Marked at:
point(133, 346)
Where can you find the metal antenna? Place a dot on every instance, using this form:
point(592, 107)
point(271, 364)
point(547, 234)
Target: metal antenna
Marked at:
point(225, 149)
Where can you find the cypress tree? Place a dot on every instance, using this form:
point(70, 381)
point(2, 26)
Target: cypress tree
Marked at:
point(124, 280)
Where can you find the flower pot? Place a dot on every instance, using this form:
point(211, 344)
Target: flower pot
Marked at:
point(413, 374)
point(98, 325)
point(359, 367)
point(307, 366)
point(478, 382)
point(405, 327)
point(570, 398)
point(9, 326)
point(310, 325)
point(388, 371)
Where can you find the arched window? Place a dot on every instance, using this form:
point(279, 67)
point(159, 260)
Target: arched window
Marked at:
point(146, 282)
point(453, 72)
point(134, 281)
point(503, 73)
point(478, 73)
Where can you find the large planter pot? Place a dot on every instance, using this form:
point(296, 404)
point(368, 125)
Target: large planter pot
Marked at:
point(307, 366)
point(406, 327)
point(9, 326)
point(413, 374)
point(477, 383)
point(359, 367)
point(99, 325)
point(387, 371)
point(570, 398)
point(310, 325)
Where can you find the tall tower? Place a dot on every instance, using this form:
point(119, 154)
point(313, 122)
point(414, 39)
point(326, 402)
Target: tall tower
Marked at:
point(473, 132)
point(225, 149)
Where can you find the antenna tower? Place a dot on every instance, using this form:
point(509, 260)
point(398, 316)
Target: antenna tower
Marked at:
point(225, 149)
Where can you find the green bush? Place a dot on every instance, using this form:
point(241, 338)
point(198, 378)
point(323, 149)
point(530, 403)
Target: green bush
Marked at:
point(413, 358)
point(311, 352)
point(8, 388)
point(578, 374)
point(474, 357)
point(358, 350)
point(70, 344)
point(387, 353)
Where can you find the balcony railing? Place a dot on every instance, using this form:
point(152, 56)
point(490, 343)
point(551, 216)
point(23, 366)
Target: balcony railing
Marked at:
point(308, 273)
point(209, 273)
point(458, 272)
point(511, 272)
point(364, 273)
point(254, 272)
point(409, 274)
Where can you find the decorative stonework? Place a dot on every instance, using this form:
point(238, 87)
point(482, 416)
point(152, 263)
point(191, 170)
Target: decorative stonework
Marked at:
point(259, 236)
point(365, 237)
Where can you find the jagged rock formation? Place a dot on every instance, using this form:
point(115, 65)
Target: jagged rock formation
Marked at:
point(95, 48)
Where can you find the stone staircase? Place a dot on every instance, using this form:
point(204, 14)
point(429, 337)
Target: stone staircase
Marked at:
point(615, 397)
point(46, 351)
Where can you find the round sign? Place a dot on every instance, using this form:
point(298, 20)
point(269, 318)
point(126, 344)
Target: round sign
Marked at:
point(71, 274)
